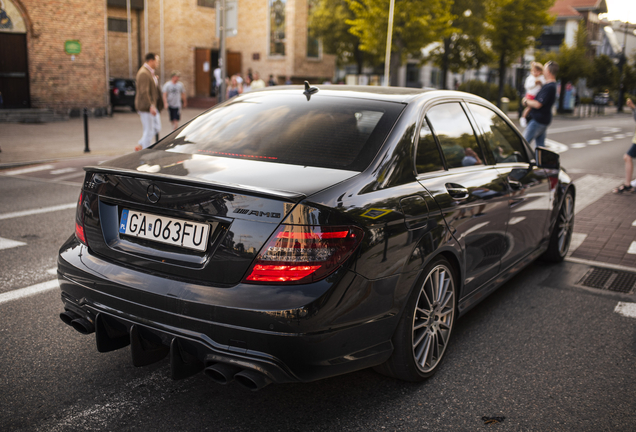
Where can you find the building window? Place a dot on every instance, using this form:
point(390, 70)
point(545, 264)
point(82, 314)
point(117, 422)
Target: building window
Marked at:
point(117, 25)
point(207, 3)
point(313, 44)
point(277, 27)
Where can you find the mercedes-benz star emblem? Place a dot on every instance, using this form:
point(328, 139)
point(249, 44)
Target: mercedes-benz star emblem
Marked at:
point(153, 193)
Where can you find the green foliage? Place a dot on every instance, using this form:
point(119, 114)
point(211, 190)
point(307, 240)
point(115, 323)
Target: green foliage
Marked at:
point(487, 91)
point(465, 47)
point(512, 26)
point(328, 21)
point(603, 74)
point(416, 23)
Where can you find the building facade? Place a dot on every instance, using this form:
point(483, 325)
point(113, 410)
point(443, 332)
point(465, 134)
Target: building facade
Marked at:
point(60, 54)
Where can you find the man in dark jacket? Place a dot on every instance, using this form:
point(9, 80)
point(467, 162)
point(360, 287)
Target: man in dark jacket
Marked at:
point(541, 105)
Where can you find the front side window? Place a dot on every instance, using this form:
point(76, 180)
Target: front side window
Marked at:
point(455, 135)
point(501, 141)
point(277, 27)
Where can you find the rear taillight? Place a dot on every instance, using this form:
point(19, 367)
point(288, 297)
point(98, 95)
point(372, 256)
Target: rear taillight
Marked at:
point(79, 220)
point(115, 91)
point(298, 254)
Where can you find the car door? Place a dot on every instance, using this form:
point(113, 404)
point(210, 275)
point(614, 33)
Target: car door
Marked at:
point(470, 194)
point(529, 196)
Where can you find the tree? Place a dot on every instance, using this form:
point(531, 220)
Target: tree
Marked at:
point(328, 22)
point(465, 46)
point(573, 63)
point(416, 23)
point(603, 74)
point(511, 27)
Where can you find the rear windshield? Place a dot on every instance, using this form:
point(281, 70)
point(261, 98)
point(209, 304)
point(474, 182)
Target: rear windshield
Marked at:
point(330, 132)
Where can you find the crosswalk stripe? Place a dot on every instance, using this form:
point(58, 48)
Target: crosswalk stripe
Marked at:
point(29, 170)
point(626, 309)
point(28, 291)
point(8, 243)
point(37, 211)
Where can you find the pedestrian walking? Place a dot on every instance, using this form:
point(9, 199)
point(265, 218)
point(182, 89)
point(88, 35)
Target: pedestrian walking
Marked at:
point(629, 158)
point(533, 84)
point(541, 107)
point(174, 97)
point(148, 100)
point(233, 88)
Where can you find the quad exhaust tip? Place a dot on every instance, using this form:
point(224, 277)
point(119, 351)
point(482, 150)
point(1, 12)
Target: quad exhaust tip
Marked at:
point(224, 374)
point(80, 324)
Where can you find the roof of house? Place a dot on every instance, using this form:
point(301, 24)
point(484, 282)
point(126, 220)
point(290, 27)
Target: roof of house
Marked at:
point(572, 8)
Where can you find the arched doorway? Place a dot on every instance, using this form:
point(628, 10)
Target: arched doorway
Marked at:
point(14, 67)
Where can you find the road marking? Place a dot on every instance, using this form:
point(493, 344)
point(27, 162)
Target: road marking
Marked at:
point(7, 244)
point(591, 188)
point(620, 136)
point(29, 170)
point(63, 171)
point(556, 146)
point(568, 129)
point(632, 248)
point(578, 145)
point(52, 271)
point(626, 309)
point(634, 223)
point(594, 142)
point(37, 211)
point(28, 291)
point(607, 139)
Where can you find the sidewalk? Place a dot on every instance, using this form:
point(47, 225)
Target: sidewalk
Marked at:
point(605, 230)
point(24, 144)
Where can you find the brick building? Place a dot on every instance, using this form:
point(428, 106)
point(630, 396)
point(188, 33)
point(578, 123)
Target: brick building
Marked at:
point(59, 53)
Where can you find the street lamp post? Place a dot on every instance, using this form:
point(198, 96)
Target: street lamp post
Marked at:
point(387, 57)
point(621, 65)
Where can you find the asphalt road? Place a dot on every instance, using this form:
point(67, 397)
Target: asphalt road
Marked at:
point(542, 351)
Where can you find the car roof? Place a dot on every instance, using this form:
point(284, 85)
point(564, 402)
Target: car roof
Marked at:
point(389, 94)
point(405, 95)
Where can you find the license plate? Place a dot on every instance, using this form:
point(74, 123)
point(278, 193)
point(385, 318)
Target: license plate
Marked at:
point(129, 92)
point(176, 232)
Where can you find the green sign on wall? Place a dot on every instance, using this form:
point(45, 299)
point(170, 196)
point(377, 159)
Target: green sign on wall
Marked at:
point(72, 47)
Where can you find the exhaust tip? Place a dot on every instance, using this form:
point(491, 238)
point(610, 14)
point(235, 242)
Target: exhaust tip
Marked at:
point(67, 317)
point(252, 380)
point(83, 326)
point(221, 373)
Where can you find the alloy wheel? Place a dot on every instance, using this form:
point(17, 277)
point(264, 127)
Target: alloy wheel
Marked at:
point(433, 318)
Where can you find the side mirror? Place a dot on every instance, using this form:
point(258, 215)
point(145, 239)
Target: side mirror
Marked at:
point(547, 158)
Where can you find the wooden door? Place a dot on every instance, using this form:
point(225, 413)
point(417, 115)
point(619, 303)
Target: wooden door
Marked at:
point(14, 71)
point(233, 63)
point(203, 73)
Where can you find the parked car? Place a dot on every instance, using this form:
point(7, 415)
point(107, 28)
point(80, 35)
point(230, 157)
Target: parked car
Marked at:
point(602, 98)
point(122, 92)
point(290, 234)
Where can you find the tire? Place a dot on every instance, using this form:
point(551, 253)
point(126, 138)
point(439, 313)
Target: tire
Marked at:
point(424, 330)
point(562, 232)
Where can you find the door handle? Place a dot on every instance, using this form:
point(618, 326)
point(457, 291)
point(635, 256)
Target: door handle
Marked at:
point(456, 191)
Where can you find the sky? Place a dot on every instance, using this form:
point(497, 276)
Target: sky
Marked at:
point(623, 10)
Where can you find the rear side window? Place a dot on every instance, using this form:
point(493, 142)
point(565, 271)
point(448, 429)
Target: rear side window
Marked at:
point(330, 132)
point(428, 158)
point(455, 135)
point(501, 140)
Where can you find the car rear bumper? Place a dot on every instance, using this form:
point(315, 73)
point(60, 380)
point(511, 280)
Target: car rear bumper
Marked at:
point(347, 326)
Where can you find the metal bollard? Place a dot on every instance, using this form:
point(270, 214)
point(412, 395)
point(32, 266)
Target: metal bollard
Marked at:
point(86, 149)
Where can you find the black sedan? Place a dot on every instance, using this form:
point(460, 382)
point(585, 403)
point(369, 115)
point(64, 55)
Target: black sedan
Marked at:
point(293, 234)
point(122, 92)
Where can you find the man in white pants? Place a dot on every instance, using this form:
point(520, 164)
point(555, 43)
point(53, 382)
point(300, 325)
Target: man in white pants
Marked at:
point(148, 100)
